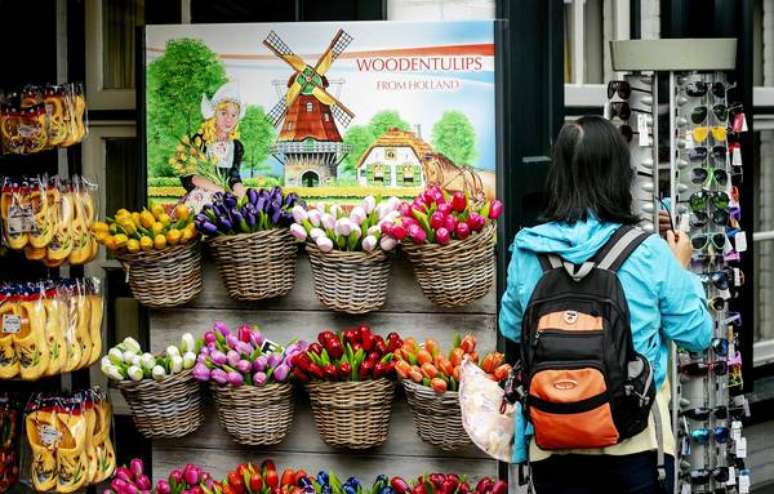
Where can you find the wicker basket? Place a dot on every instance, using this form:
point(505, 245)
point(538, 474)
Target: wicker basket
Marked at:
point(164, 278)
point(437, 416)
point(169, 408)
point(458, 273)
point(351, 282)
point(255, 416)
point(256, 266)
point(352, 414)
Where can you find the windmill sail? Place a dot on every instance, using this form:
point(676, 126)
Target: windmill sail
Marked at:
point(338, 44)
point(343, 118)
point(277, 112)
point(283, 51)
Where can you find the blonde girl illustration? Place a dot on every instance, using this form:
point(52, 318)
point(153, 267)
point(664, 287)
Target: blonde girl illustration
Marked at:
point(218, 141)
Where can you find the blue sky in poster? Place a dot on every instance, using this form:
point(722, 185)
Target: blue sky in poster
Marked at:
point(365, 92)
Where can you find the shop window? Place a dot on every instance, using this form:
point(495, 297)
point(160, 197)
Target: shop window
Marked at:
point(440, 10)
point(110, 52)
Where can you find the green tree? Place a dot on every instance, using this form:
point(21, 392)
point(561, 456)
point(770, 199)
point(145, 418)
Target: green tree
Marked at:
point(359, 137)
point(176, 82)
point(257, 135)
point(454, 136)
point(386, 120)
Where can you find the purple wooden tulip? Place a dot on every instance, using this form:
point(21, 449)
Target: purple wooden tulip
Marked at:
point(204, 350)
point(235, 379)
point(162, 487)
point(273, 360)
point(219, 376)
point(144, 483)
point(244, 366)
point(124, 474)
point(232, 340)
point(281, 373)
point(209, 337)
point(221, 328)
point(244, 348)
point(260, 363)
point(218, 358)
point(201, 359)
point(232, 357)
point(201, 372)
point(256, 337)
point(136, 467)
point(176, 475)
point(259, 378)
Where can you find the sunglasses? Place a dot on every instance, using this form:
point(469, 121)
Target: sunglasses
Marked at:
point(703, 414)
point(700, 200)
point(702, 476)
point(706, 177)
point(718, 278)
point(623, 88)
point(717, 304)
point(720, 346)
point(620, 109)
point(703, 240)
point(702, 436)
point(700, 134)
point(702, 369)
point(699, 114)
point(627, 132)
point(697, 89)
point(700, 219)
point(700, 153)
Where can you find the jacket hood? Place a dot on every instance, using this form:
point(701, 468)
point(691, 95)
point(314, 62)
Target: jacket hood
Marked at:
point(574, 242)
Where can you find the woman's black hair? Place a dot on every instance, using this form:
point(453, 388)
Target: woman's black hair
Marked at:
point(590, 173)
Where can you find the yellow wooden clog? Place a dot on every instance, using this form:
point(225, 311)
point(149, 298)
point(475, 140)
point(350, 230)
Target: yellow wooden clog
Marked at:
point(72, 343)
point(71, 459)
point(91, 451)
point(43, 436)
point(55, 336)
point(30, 341)
point(95, 324)
point(9, 317)
point(83, 327)
point(106, 455)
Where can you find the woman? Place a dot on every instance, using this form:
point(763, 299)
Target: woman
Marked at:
point(218, 140)
point(589, 185)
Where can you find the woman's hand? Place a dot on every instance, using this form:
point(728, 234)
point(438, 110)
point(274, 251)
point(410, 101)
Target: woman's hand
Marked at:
point(205, 184)
point(238, 189)
point(681, 246)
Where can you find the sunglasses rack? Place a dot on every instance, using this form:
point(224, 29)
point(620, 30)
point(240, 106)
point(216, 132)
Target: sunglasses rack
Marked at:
point(710, 446)
point(676, 114)
point(631, 104)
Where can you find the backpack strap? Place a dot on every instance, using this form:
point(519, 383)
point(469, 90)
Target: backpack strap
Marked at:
point(549, 262)
point(619, 247)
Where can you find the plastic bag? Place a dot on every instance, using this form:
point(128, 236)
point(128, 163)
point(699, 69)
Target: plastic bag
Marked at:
point(480, 402)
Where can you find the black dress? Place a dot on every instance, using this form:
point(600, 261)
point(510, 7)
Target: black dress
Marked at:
point(232, 173)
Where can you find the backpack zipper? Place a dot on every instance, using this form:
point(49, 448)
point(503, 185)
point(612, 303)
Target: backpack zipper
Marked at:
point(563, 333)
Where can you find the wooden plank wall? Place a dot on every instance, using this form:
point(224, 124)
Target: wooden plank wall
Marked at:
point(300, 314)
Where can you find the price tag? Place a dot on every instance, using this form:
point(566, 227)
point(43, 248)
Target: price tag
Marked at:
point(270, 347)
point(744, 484)
point(20, 219)
point(737, 276)
point(740, 241)
point(740, 123)
point(11, 323)
point(49, 436)
point(642, 128)
point(741, 448)
point(736, 156)
point(736, 430)
point(606, 110)
point(731, 476)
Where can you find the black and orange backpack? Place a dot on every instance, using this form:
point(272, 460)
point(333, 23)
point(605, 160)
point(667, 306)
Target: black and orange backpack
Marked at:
point(586, 387)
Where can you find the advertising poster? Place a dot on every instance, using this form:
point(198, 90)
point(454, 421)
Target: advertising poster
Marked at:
point(333, 111)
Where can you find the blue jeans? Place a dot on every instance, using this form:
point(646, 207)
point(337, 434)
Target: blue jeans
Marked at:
point(593, 474)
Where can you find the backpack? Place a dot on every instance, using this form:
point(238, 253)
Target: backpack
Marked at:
point(585, 385)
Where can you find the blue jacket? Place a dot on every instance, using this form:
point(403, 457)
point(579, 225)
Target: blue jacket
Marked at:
point(666, 301)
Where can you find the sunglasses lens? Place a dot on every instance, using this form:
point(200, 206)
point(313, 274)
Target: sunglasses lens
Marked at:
point(699, 114)
point(719, 133)
point(720, 368)
point(700, 436)
point(699, 175)
point(721, 434)
point(721, 177)
point(699, 219)
point(719, 153)
point(700, 134)
point(698, 201)
point(697, 154)
point(612, 87)
point(623, 110)
point(719, 240)
point(699, 414)
point(720, 200)
point(696, 89)
point(717, 304)
point(695, 369)
point(720, 345)
point(627, 132)
point(698, 242)
point(720, 217)
point(718, 90)
point(699, 477)
point(720, 474)
point(721, 112)
point(721, 413)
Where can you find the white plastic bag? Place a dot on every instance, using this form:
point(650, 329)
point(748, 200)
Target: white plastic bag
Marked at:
point(480, 401)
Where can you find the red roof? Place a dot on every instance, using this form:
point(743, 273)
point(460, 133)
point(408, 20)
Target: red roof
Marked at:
point(308, 118)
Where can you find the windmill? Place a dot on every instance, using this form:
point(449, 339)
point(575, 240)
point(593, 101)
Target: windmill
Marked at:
point(309, 144)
